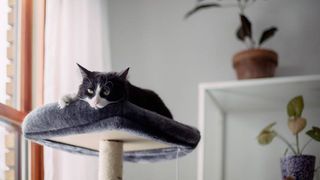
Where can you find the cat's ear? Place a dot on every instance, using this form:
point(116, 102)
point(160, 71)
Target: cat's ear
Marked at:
point(84, 72)
point(124, 74)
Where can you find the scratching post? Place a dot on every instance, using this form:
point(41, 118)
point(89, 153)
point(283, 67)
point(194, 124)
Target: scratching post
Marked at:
point(110, 160)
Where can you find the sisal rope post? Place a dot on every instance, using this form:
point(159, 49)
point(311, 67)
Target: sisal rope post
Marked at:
point(110, 160)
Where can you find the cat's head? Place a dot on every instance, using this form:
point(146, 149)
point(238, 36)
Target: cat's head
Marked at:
point(100, 89)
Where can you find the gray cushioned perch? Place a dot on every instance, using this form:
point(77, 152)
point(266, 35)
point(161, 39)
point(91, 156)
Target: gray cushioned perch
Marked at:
point(46, 124)
point(119, 131)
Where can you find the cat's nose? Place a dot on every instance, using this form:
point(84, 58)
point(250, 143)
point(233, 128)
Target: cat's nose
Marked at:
point(95, 103)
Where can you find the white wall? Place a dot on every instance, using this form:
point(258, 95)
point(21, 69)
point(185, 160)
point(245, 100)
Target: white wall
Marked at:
point(171, 55)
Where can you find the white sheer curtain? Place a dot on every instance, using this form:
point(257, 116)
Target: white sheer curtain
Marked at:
point(76, 31)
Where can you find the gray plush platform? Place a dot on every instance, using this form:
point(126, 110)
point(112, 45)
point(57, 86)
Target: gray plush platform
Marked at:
point(45, 124)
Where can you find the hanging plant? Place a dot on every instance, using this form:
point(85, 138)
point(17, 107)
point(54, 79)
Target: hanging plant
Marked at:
point(244, 32)
point(255, 62)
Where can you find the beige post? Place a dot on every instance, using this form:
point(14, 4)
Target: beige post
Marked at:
point(110, 160)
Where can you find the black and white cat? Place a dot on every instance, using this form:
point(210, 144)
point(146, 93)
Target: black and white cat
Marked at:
point(99, 89)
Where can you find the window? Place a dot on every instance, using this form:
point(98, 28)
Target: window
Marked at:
point(11, 146)
point(16, 44)
point(10, 151)
point(3, 45)
point(8, 52)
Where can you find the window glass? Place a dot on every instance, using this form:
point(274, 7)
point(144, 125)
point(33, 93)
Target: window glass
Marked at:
point(10, 150)
point(8, 52)
point(4, 9)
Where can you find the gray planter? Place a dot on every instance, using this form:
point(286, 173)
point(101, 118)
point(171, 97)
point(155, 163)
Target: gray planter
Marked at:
point(300, 167)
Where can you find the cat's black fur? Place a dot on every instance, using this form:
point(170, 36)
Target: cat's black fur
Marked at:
point(122, 89)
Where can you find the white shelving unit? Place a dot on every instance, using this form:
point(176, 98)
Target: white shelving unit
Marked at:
point(245, 96)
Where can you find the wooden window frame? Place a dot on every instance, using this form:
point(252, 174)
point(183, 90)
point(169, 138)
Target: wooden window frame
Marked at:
point(17, 115)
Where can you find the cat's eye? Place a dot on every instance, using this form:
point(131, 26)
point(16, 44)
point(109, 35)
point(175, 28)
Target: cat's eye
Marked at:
point(110, 84)
point(106, 92)
point(90, 91)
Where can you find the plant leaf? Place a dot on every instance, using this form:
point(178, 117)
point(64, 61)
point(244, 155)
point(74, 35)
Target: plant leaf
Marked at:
point(246, 26)
point(201, 7)
point(295, 107)
point(269, 127)
point(240, 34)
point(314, 133)
point(267, 34)
point(296, 125)
point(290, 110)
point(267, 135)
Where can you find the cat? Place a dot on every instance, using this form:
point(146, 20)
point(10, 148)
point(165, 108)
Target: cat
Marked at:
point(99, 89)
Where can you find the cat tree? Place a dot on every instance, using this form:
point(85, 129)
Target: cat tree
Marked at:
point(120, 131)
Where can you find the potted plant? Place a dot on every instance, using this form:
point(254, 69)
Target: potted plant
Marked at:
point(255, 62)
point(297, 165)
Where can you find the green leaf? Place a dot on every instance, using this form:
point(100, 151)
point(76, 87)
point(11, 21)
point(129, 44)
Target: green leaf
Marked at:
point(245, 26)
point(295, 107)
point(290, 110)
point(269, 127)
point(267, 135)
point(267, 34)
point(201, 7)
point(314, 133)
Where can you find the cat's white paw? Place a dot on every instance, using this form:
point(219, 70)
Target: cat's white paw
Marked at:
point(63, 102)
point(66, 100)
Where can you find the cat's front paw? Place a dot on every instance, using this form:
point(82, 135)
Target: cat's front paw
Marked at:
point(65, 101)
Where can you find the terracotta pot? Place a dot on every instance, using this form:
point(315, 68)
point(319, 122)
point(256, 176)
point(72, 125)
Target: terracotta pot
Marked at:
point(255, 63)
point(298, 167)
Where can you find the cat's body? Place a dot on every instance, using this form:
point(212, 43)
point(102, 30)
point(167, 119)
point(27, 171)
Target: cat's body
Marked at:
point(100, 89)
point(147, 99)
